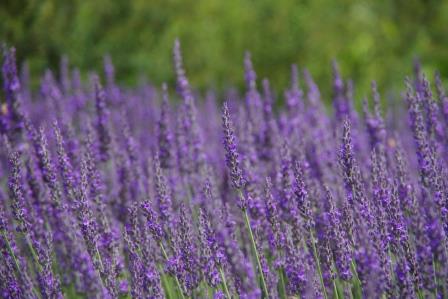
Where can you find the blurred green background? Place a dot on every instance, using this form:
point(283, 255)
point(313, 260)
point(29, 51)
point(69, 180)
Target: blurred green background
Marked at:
point(370, 39)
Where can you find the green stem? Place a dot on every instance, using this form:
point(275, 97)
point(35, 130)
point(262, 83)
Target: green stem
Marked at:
point(335, 289)
point(101, 270)
point(355, 272)
point(224, 283)
point(435, 276)
point(165, 255)
point(98, 257)
point(34, 254)
point(420, 294)
point(282, 283)
point(165, 283)
point(11, 252)
point(357, 281)
point(254, 248)
point(319, 270)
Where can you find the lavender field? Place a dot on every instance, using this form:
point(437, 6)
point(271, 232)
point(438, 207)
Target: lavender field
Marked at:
point(115, 192)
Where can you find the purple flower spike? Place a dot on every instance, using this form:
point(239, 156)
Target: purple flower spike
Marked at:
point(102, 121)
point(272, 216)
point(232, 156)
point(11, 116)
point(17, 193)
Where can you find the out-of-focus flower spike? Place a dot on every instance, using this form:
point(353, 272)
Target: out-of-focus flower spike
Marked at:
point(183, 86)
point(340, 104)
point(418, 75)
point(253, 99)
point(102, 121)
point(165, 142)
point(249, 74)
point(65, 166)
point(313, 94)
point(189, 125)
point(294, 95)
point(376, 127)
point(269, 131)
point(109, 70)
point(286, 177)
point(443, 101)
point(64, 75)
point(11, 115)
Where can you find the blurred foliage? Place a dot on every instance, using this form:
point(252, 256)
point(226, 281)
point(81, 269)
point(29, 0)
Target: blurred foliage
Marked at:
point(370, 39)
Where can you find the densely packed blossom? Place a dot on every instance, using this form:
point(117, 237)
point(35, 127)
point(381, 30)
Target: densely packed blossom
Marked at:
point(111, 192)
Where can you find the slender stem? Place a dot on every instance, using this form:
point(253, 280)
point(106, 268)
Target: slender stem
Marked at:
point(166, 284)
point(282, 283)
point(355, 272)
point(254, 248)
point(319, 270)
point(98, 256)
point(101, 270)
point(224, 283)
point(34, 254)
point(435, 277)
point(420, 294)
point(357, 281)
point(335, 289)
point(165, 255)
point(11, 252)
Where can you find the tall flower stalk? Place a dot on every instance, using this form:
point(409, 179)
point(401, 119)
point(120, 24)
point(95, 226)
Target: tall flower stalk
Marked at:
point(238, 183)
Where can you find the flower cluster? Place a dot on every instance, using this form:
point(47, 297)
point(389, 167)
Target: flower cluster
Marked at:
point(110, 192)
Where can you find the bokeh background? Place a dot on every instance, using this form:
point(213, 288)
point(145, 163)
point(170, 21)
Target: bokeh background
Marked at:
point(370, 39)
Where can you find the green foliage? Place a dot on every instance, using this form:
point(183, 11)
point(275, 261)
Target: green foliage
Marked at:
point(370, 39)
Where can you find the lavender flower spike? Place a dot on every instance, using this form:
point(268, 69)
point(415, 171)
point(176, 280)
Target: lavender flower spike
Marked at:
point(17, 193)
point(232, 156)
point(238, 182)
point(102, 121)
point(11, 117)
